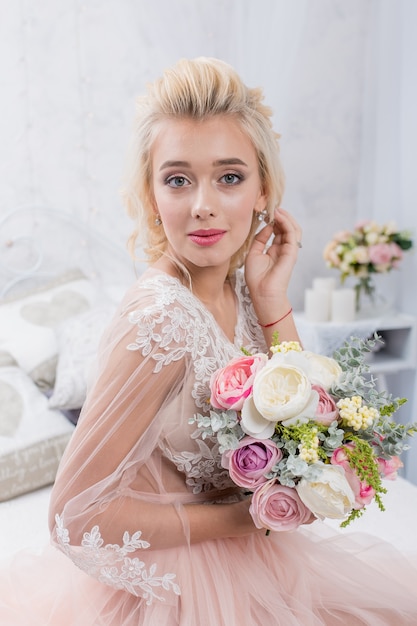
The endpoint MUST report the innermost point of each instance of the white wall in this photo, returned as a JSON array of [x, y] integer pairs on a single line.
[[71, 71]]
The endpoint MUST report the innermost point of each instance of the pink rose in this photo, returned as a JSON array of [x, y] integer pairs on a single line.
[[363, 492], [388, 468], [250, 461], [397, 254], [277, 507], [326, 411], [385, 254], [231, 385]]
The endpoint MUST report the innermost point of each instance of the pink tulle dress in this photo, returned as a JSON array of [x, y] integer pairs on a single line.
[[121, 552]]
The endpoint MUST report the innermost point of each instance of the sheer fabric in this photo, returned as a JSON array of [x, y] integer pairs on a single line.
[[135, 466]]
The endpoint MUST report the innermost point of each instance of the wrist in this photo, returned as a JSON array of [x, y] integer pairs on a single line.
[[277, 321]]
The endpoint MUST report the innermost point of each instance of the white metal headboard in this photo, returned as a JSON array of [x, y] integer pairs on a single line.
[[38, 242]]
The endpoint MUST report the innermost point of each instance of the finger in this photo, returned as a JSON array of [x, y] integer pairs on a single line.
[[262, 236], [286, 219], [288, 226]]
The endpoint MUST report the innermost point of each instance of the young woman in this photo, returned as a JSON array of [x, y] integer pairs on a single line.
[[141, 502]]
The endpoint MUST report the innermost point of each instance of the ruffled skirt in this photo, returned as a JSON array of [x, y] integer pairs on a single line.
[[306, 578]]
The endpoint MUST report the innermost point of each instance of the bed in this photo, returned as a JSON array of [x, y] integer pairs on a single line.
[[59, 284]]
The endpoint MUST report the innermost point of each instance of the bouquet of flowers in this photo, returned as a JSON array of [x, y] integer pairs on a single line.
[[367, 250], [308, 435]]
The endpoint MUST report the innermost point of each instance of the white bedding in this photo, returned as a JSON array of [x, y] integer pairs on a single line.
[[23, 520]]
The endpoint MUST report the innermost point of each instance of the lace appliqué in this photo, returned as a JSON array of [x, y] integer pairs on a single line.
[[182, 333], [202, 469], [112, 565], [177, 324]]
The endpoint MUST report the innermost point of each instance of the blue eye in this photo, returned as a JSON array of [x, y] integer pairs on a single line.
[[231, 179], [177, 181]]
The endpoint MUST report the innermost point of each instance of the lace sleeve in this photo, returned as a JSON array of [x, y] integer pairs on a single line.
[[113, 482]]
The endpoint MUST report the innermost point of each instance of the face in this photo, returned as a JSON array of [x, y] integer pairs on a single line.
[[206, 187]]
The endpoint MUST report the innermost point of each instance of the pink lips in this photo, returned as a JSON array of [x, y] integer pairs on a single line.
[[206, 237]]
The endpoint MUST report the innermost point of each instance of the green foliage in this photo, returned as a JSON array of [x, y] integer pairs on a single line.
[[356, 379]]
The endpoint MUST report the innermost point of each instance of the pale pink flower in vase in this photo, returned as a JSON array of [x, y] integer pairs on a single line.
[[330, 254], [365, 257], [384, 254]]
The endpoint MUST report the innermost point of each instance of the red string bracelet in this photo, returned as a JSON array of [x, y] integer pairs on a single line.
[[277, 321]]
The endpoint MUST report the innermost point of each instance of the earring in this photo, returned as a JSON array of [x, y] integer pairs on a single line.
[[158, 221], [262, 215]]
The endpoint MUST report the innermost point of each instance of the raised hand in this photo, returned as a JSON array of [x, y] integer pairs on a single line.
[[271, 259]]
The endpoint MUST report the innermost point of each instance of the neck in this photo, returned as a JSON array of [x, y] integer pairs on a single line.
[[211, 287], [206, 283]]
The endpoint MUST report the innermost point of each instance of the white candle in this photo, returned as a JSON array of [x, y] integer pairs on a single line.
[[343, 305], [317, 305], [323, 282]]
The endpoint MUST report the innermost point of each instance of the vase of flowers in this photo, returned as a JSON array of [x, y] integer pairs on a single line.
[[363, 255]]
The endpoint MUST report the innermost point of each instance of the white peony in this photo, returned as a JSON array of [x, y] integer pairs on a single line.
[[324, 370], [330, 495], [281, 391]]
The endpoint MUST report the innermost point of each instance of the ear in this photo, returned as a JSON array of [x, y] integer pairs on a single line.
[[154, 205], [260, 203]]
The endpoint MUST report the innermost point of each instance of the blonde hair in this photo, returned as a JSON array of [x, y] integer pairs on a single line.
[[198, 89]]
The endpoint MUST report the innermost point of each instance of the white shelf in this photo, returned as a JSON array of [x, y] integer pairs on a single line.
[[398, 353]]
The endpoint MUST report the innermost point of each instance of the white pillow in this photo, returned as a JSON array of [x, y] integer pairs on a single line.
[[78, 341], [27, 323], [32, 436]]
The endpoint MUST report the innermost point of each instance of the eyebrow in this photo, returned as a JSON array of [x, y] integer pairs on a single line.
[[217, 163]]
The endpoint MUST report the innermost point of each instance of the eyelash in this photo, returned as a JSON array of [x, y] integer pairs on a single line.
[[238, 176], [169, 179], [172, 178]]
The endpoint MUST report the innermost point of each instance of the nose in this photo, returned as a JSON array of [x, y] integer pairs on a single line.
[[204, 205]]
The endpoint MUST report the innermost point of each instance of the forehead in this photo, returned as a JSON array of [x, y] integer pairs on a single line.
[[214, 138]]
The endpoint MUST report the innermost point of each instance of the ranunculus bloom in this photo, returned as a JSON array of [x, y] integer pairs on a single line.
[[280, 391], [330, 495], [324, 370], [277, 507], [326, 411], [231, 385], [363, 492], [388, 468], [250, 461]]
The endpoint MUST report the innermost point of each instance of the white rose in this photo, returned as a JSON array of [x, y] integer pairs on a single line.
[[324, 370], [361, 254], [390, 228], [372, 238], [280, 391], [330, 495]]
